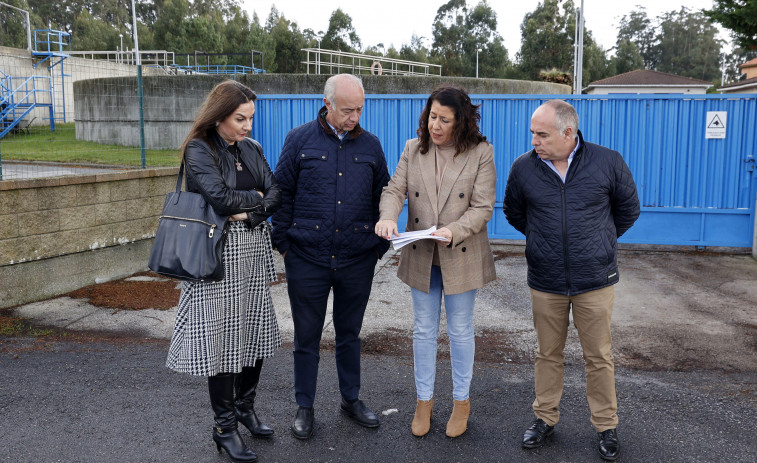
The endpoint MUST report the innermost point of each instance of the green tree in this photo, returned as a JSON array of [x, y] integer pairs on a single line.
[[459, 32], [627, 58], [493, 58], [90, 33], [13, 24], [733, 61], [341, 35], [637, 28], [289, 42], [60, 14], [740, 16], [449, 31], [415, 50], [260, 40], [169, 23], [595, 63], [548, 37], [687, 45]]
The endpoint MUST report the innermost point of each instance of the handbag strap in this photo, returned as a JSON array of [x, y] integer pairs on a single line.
[[181, 168], [181, 177]]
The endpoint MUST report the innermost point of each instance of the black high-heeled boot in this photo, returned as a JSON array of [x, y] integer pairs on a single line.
[[246, 386], [225, 433]]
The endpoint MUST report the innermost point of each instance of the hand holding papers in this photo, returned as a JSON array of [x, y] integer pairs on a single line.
[[408, 237]]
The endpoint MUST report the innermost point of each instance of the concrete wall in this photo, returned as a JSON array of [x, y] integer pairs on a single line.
[[107, 110], [17, 62], [59, 234]]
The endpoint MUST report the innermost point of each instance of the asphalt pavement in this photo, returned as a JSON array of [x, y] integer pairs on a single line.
[[685, 339]]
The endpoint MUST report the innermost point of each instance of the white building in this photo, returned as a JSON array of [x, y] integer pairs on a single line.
[[749, 84], [646, 81]]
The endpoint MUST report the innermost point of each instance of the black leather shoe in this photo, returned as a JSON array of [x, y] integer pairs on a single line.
[[303, 423], [360, 414], [609, 446], [536, 433]]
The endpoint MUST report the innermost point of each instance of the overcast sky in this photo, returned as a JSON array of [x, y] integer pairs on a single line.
[[395, 21]]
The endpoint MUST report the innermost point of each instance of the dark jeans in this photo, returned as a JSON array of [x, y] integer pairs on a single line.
[[309, 286]]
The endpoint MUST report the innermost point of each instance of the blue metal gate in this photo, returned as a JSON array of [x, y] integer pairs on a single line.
[[694, 191]]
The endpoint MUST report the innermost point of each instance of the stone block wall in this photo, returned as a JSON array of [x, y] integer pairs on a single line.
[[44, 219]]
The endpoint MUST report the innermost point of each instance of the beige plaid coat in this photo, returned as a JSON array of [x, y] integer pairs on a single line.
[[464, 205]]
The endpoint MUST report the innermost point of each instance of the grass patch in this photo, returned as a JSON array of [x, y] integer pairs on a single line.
[[41, 144], [15, 327]]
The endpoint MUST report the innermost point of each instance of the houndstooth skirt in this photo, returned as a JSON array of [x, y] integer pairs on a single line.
[[224, 326]]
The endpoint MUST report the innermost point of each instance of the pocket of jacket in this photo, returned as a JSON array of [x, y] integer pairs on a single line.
[[309, 157], [306, 224], [362, 227], [360, 158]]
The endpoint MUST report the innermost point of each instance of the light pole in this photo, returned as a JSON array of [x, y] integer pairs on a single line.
[[318, 37], [121, 36], [578, 57], [477, 51]]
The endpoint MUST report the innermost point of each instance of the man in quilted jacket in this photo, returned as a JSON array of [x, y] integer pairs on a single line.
[[572, 199], [331, 173]]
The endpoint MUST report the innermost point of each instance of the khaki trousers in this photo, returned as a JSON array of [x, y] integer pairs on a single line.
[[591, 315]]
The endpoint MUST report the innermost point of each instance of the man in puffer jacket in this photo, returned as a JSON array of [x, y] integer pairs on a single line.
[[572, 200], [331, 174]]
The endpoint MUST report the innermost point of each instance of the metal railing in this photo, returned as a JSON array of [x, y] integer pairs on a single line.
[[50, 41], [20, 95], [322, 61], [147, 57], [218, 69]]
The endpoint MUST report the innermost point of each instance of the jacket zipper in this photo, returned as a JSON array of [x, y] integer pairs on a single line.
[[211, 225], [565, 237]]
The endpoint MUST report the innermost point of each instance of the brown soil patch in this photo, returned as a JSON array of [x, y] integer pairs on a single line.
[[281, 277], [131, 295], [389, 342], [499, 255]]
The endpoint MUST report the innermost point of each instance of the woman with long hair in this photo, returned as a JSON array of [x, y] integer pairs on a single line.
[[225, 329]]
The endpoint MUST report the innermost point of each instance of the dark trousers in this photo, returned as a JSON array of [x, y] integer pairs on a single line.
[[309, 286]]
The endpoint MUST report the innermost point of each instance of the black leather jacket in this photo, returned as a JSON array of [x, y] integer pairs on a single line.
[[212, 173]]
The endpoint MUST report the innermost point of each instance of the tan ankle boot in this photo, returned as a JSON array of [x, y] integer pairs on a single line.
[[422, 419], [458, 421]]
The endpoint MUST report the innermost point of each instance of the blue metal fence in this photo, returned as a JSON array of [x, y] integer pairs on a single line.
[[693, 190]]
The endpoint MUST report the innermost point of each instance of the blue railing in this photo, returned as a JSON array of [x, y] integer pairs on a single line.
[[20, 95], [50, 41]]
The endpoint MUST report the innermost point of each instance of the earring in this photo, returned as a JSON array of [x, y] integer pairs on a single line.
[[217, 123]]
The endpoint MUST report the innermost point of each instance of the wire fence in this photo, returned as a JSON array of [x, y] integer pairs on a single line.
[[55, 122]]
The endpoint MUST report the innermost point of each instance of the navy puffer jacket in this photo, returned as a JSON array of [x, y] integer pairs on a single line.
[[572, 228], [330, 193]]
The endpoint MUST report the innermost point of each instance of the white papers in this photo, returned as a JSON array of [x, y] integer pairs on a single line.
[[409, 237]]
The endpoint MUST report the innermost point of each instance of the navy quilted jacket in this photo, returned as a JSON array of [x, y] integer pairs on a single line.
[[572, 228], [330, 192]]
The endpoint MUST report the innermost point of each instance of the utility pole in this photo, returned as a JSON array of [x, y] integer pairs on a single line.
[[578, 61], [28, 25], [477, 52]]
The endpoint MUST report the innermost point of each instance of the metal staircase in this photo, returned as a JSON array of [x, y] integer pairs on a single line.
[[49, 45], [19, 96]]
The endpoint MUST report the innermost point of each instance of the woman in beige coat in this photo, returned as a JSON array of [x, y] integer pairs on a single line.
[[447, 175]]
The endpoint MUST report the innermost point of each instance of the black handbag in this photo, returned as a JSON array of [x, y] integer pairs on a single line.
[[190, 238]]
